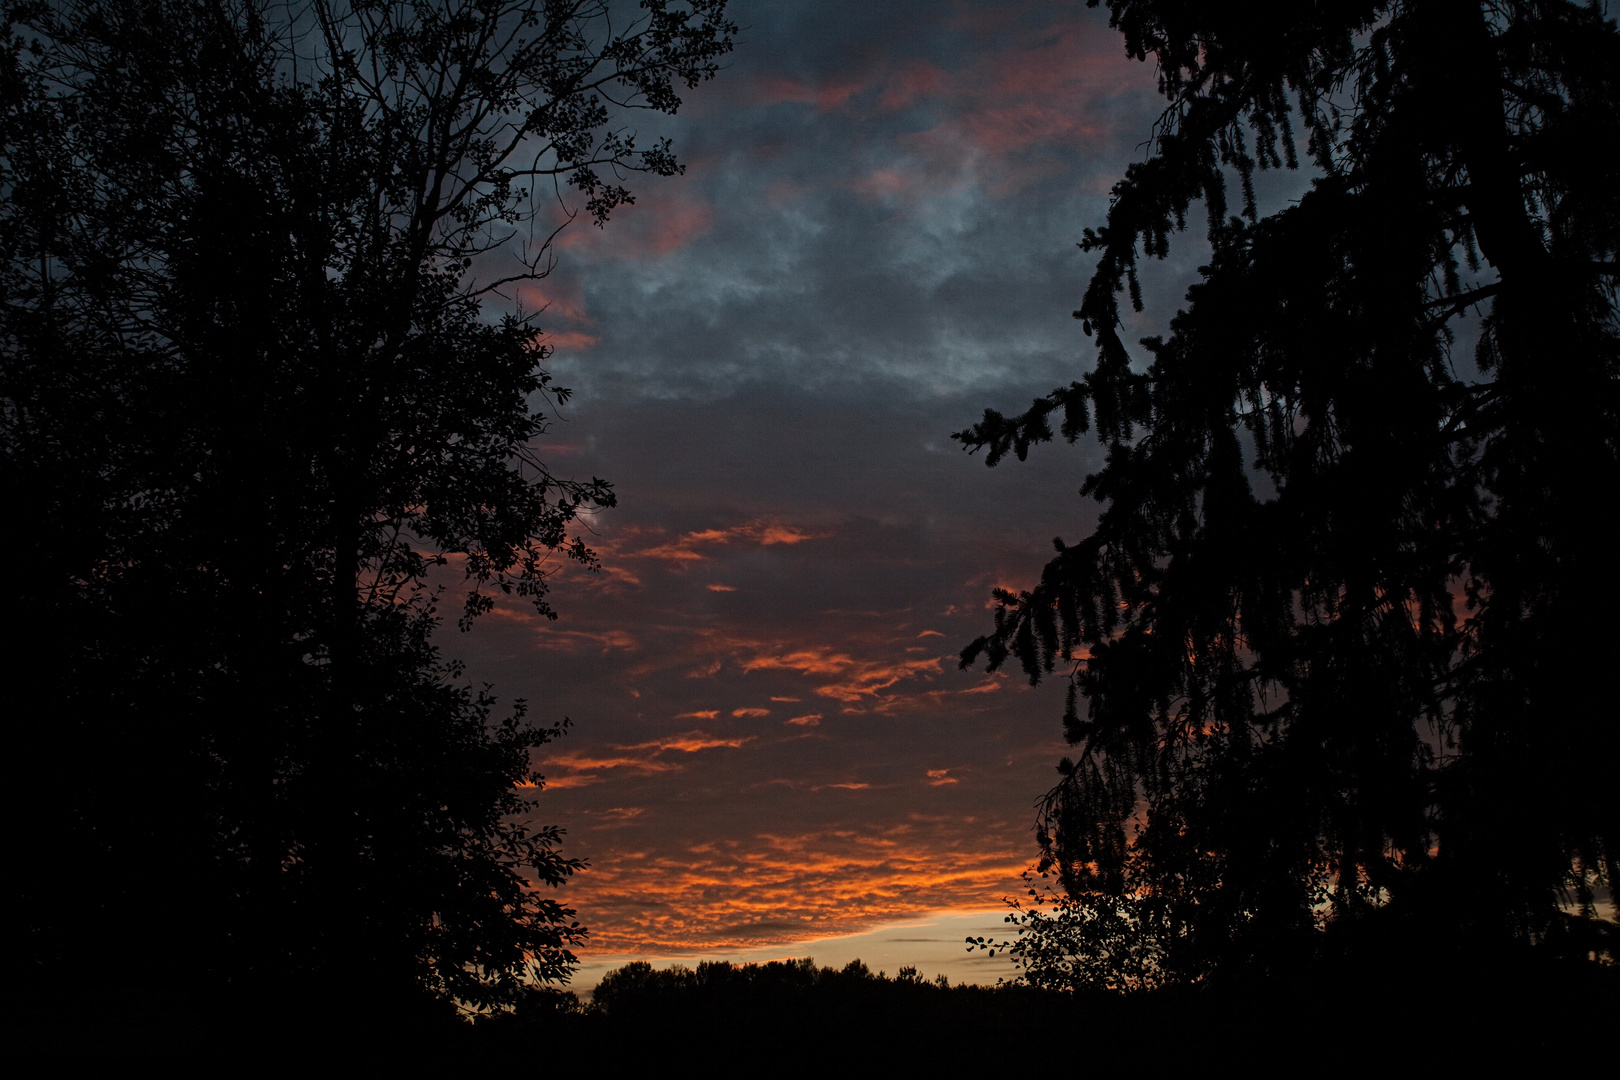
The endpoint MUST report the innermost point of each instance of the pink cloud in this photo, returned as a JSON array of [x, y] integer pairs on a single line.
[[572, 340], [1011, 103], [916, 79], [773, 89], [1024, 96], [883, 183], [678, 227], [782, 192], [836, 95], [664, 219], [555, 298], [826, 97]]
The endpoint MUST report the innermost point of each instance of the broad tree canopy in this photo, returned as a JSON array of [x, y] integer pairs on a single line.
[[249, 396]]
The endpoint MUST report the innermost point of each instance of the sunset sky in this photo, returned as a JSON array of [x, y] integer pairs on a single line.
[[874, 241]]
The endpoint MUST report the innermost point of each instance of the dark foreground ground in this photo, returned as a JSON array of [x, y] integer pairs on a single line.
[[796, 1019]]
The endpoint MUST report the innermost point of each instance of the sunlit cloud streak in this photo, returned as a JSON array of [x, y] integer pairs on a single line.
[[691, 546], [783, 887]]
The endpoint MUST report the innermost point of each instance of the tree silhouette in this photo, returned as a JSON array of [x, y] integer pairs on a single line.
[[1341, 631], [251, 402]]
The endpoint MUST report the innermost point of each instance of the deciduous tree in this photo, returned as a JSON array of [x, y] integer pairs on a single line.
[[252, 398]]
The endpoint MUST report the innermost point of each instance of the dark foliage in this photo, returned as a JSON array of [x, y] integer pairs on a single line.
[[793, 1018], [1342, 634], [248, 403]]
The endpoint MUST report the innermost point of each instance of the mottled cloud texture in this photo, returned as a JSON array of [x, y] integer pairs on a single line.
[[875, 240]]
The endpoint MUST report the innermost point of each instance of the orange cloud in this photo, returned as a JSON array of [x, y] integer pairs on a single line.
[[581, 767], [768, 888], [550, 637], [869, 681], [936, 777], [854, 679], [804, 661], [750, 712], [702, 714], [689, 743], [578, 762], [563, 783], [685, 548], [722, 588], [783, 534], [808, 720], [614, 575]]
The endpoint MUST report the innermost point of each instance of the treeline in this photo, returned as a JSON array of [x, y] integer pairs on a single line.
[[796, 1018], [793, 1018]]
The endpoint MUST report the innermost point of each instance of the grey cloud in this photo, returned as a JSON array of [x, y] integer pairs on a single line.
[[804, 275]]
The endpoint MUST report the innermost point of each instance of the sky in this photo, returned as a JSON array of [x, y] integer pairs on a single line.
[[773, 752]]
